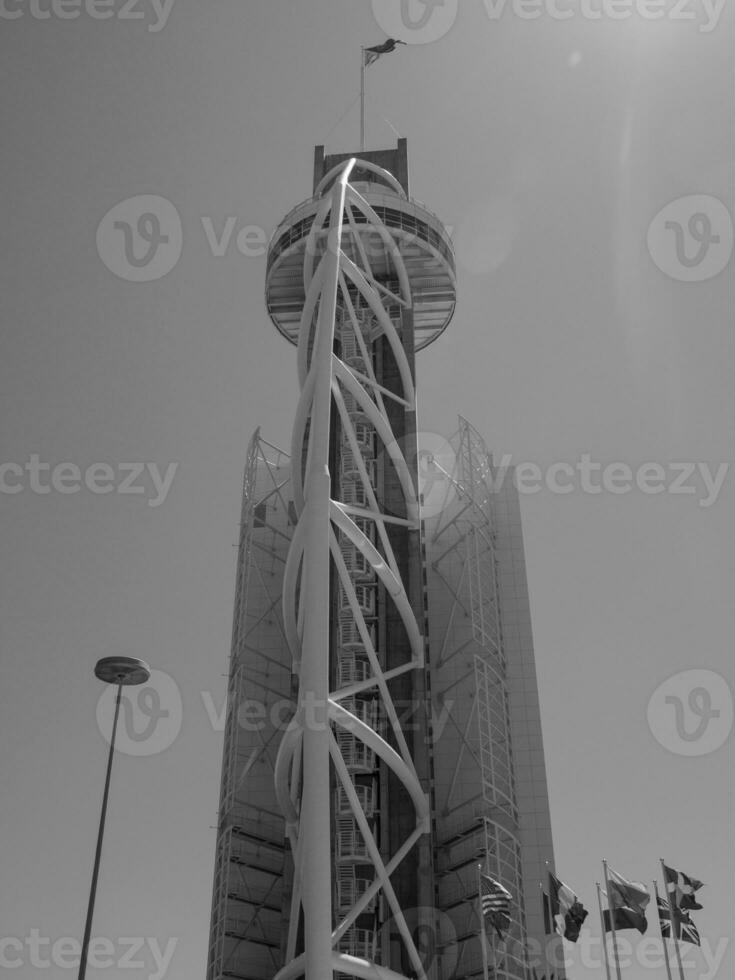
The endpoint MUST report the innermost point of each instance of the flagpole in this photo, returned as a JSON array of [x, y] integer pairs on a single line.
[[549, 913], [546, 913], [612, 921], [663, 940], [362, 99], [494, 939], [604, 933], [674, 910], [483, 932]]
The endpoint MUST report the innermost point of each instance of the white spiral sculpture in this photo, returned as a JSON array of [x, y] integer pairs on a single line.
[[310, 754]]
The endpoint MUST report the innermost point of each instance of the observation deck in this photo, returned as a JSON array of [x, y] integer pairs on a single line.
[[423, 241]]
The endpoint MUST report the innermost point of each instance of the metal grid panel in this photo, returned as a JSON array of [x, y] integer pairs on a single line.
[[247, 920], [477, 816], [493, 716], [482, 580]]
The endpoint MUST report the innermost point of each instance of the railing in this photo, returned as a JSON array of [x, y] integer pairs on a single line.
[[365, 595], [357, 564], [351, 352], [406, 216], [354, 494], [364, 709], [350, 888], [360, 943], [364, 434], [357, 756], [350, 465], [351, 845], [352, 669], [349, 633], [365, 795]]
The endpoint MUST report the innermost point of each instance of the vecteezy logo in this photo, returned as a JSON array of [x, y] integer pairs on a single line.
[[691, 239], [415, 21], [691, 713], [432, 459], [140, 238], [150, 715], [433, 934]]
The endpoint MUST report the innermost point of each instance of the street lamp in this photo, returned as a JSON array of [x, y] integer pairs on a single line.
[[125, 672]]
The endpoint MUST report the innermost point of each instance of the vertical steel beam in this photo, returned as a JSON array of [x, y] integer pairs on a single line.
[[315, 833]]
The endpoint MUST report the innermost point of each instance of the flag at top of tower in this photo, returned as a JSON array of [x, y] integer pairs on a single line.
[[681, 888], [564, 903], [495, 902], [372, 54]]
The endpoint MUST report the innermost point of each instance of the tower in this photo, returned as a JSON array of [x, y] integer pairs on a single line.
[[382, 664]]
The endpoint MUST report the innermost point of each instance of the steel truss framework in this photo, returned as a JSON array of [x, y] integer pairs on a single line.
[[333, 738], [251, 860], [305, 766], [476, 809]]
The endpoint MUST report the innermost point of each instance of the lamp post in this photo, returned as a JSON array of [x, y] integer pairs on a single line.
[[124, 672]]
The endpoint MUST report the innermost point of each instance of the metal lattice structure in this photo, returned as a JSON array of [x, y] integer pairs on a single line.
[[350, 830], [347, 309], [477, 816], [251, 861]]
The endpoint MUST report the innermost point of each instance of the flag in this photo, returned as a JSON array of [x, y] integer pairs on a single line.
[[495, 901], [627, 894], [563, 902], [683, 925], [628, 901], [625, 919], [372, 54], [681, 888]]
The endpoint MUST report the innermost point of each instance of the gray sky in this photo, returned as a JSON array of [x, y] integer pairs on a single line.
[[548, 146]]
